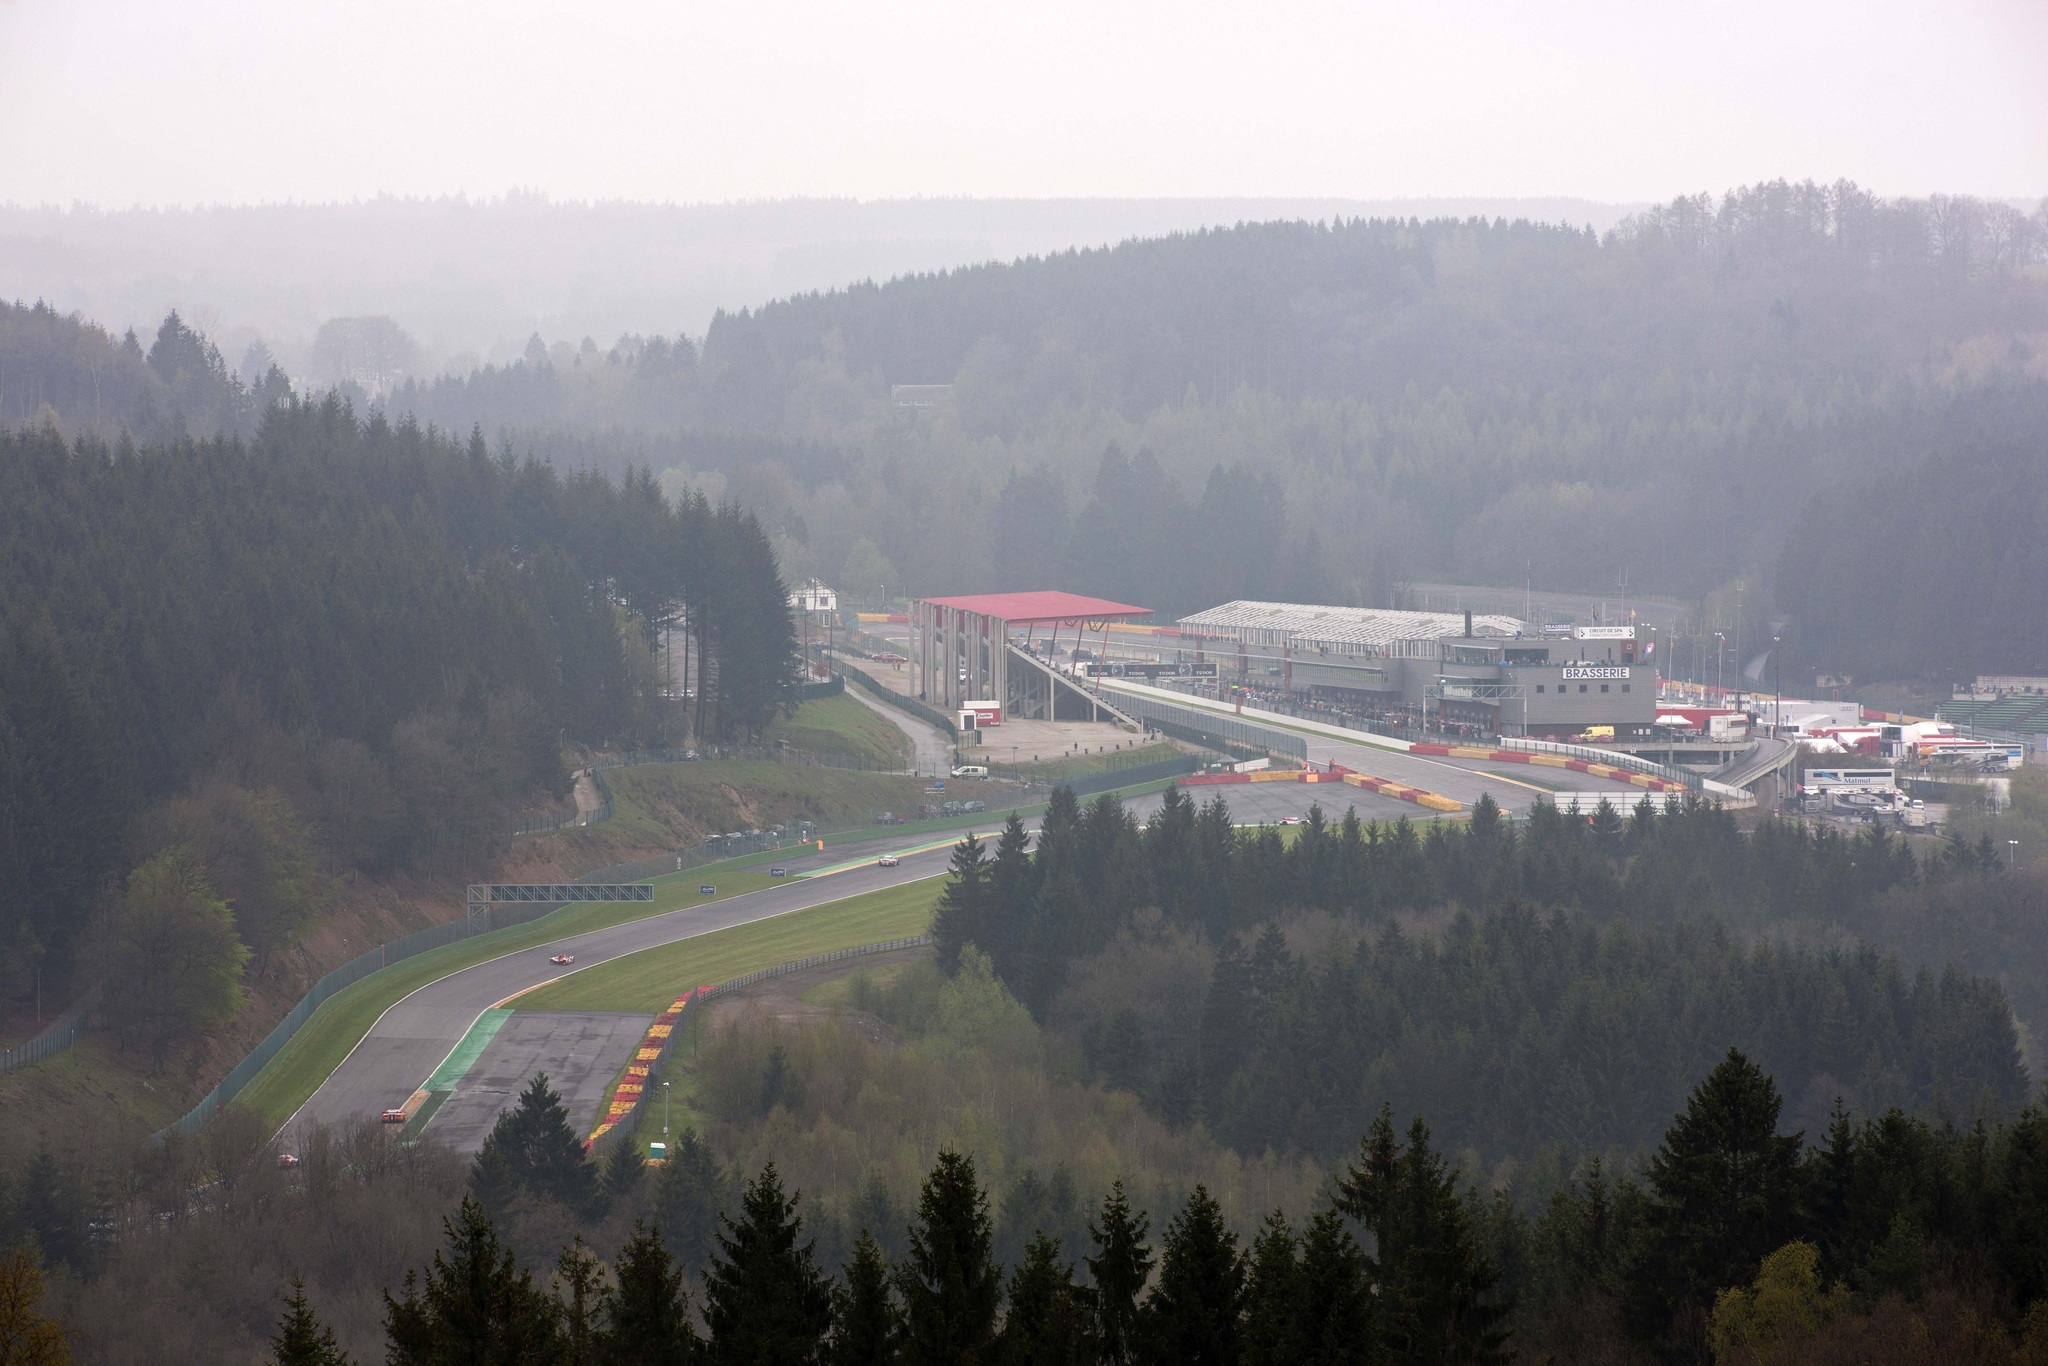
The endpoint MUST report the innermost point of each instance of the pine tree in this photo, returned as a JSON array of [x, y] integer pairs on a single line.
[[1726, 1191], [1047, 1324], [1333, 1317], [1436, 1291], [863, 1319], [1271, 1292], [581, 1293], [622, 1171], [531, 1150], [648, 1318], [1192, 1314], [1119, 1269], [474, 1303], [691, 1191], [1011, 888], [950, 1285], [764, 1300], [962, 913]]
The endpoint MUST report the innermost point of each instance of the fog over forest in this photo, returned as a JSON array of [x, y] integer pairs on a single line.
[[1225, 685]]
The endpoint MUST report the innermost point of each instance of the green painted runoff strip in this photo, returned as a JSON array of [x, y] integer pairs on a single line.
[[468, 1051]]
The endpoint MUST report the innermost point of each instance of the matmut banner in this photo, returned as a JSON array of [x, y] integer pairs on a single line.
[[1135, 669]]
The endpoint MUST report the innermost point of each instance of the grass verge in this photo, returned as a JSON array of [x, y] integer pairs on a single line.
[[343, 1019], [843, 725], [652, 979]]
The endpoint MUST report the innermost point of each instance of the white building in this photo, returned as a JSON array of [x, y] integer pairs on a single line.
[[813, 596]]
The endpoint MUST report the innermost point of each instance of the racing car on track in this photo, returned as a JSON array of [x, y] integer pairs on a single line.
[[563, 960], [887, 861]]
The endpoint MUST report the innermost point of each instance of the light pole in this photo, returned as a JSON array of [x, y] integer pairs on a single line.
[[664, 1116], [1777, 689], [2012, 855], [1721, 667]]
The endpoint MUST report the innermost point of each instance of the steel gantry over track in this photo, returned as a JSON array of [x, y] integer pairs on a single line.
[[484, 895], [962, 650]]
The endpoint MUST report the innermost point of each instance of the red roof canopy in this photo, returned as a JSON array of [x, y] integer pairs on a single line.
[[1043, 606]]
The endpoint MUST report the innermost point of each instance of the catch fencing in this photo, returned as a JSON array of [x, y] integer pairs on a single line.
[[58, 1037], [922, 712], [615, 1131]]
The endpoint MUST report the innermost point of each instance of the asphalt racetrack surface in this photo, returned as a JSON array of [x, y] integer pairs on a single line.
[[580, 1051], [411, 1039]]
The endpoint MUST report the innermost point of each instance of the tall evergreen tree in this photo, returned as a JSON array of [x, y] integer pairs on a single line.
[[531, 1150], [765, 1302], [691, 1191], [1271, 1295], [1011, 887], [1118, 1271], [863, 1318], [949, 1283], [475, 1304], [1726, 1191], [648, 1323], [301, 1339], [1333, 1318], [1192, 1315], [1436, 1291], [961, 917], [1046, 1324], [581, 1293]]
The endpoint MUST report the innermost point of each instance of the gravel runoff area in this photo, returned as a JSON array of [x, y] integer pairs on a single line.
[[580, 1051]]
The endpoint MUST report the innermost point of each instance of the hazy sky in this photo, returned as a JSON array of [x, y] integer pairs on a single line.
[[141, 101]]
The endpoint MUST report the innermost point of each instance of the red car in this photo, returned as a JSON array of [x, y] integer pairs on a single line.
[[393, 1117], [287, 1161], [563, 960], [887, 861]]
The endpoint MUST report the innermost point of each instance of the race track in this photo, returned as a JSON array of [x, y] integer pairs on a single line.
[[410, 1040]]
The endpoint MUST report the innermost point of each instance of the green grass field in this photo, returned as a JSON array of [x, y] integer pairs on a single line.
[[842, 725], [342, 1020], [664, 806], [651, 980]]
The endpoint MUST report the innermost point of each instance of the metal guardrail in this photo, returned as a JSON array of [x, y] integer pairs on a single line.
[[628, 1125], [1212, 725], [1613, 758]]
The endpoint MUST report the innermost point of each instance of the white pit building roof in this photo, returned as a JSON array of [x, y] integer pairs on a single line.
[[1365, 631]]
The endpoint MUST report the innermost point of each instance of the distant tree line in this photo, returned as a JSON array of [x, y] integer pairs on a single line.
[[1486, 402], [339, 644], [1933, 572], [1578, 969]]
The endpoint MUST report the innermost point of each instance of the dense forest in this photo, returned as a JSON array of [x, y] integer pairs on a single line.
[[1574, 975], [1296, 409], [1452, 398], [335, 645], [1888, 1238], [1945, 574]]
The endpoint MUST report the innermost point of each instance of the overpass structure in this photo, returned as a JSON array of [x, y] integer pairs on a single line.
[[962, 651]]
